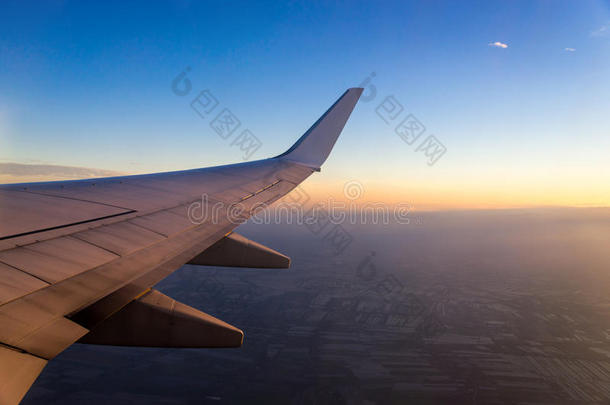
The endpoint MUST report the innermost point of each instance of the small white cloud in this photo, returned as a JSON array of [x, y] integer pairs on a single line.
[[569, 49], [498, 44], [602, 31]]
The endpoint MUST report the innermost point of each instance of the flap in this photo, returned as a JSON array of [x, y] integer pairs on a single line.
[[18, 371], [235, 250], [156, 320]]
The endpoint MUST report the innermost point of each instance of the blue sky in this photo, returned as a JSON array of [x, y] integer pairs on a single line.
[[87, 84]]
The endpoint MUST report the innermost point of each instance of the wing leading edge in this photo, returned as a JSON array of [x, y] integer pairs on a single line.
[[127, 254]]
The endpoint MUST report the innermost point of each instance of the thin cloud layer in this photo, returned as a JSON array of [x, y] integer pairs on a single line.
[[498, 44], [602, 31], [569, 49], [19, 172]]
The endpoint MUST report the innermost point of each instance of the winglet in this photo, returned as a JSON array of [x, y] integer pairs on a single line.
[[315, 145]]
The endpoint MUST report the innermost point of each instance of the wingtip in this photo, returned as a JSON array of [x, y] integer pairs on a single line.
[[315, 145], [356, 90]]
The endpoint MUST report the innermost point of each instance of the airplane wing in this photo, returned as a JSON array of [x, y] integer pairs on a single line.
[[78, 259]]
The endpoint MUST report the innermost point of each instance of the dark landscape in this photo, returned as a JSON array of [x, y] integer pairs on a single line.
[[485, 307]]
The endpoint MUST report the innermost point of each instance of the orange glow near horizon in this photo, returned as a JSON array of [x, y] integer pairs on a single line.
[[422, 197], [444, 192]]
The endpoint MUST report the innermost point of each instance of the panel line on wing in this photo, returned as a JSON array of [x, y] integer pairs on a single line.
[[148, 229], [70, 198], [67, 225], [76, 236], [260, 191], [24, 272]]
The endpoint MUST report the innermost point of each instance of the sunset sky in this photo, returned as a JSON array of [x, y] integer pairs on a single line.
[[516, 91]]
